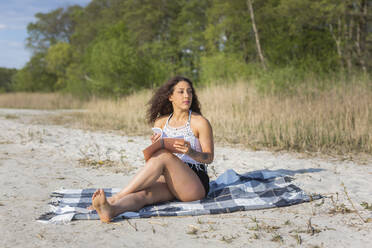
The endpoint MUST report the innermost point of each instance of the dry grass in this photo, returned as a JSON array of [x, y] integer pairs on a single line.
[[336, 121], [127, 114], [39, 101]]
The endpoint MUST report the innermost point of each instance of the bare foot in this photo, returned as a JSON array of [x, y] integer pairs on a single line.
[[94, 195], [110, 200], [101, 205]]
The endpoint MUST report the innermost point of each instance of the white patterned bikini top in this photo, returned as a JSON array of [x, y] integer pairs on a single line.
[[186, 133]]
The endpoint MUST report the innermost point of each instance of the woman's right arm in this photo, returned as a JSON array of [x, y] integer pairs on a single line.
[[206, 141], [204, 129]]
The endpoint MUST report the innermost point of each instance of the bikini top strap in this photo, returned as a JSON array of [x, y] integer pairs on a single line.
[[188, 121], [166, 124]]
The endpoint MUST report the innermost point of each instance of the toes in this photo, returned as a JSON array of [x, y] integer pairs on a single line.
[[103, 193], [99, 194], [94, 194]]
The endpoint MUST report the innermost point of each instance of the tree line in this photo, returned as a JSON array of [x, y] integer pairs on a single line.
[[115, 47], [6, 76]]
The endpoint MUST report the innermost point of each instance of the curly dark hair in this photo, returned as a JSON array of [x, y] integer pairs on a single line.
[[160, 105]]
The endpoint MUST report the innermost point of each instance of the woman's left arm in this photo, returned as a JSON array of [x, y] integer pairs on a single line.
[[206, 142]]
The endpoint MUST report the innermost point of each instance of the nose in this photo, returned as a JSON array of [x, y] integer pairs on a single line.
[[187, 94]]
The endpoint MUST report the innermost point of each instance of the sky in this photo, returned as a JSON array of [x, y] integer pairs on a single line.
[[14, 17]]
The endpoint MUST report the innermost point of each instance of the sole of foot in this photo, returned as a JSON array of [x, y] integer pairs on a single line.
[[100, 204]]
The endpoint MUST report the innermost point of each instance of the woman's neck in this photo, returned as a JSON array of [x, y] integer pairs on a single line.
[[180, 115]]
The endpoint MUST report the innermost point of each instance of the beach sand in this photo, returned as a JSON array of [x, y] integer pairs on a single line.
[[36, 159]]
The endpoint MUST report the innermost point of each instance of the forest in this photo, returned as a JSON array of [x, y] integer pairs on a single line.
[[116, 47]]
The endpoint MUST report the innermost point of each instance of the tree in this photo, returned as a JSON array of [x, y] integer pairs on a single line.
[[58, 59], [189, 27], [6, 79], [348, 24], [96, 16], [229, 41], [114, 47], [50, 28], [229, 29], [115, 66], [152, 23], [34, 76], [258, 44], [294, 33]]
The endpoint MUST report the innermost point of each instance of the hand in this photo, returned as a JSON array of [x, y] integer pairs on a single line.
[[154, 137], [182, 147]]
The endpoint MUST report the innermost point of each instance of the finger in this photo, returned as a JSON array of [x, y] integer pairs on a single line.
[[178, 147], [155, 137], [180, 143]]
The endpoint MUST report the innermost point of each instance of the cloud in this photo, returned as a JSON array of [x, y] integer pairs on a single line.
[[16, 44], [11, 43], [15, 15], [14, 57]]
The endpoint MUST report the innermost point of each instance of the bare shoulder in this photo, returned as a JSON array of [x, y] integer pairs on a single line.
[[160, 121], [202, 129], [199, 121]]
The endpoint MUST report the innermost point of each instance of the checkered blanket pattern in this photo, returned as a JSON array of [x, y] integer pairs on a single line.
[[230, 192]]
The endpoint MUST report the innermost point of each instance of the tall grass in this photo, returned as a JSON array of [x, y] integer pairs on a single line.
[[127, 114], [39, 101], [337, 119]]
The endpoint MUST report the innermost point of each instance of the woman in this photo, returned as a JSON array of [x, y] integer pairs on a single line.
[[175, 109]]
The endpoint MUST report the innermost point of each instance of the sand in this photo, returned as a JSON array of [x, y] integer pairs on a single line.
[[36, 159]]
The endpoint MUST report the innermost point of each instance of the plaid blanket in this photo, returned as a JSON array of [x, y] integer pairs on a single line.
[[230, 192]]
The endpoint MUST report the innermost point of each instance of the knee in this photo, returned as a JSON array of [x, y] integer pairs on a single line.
[[161, 155]]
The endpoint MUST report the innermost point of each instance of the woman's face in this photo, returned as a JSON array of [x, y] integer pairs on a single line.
[[182, 96]]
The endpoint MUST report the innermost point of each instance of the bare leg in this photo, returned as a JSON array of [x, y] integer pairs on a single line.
[[144, 178], [176, 174], [148, 175], [159, 192], [180, 182]]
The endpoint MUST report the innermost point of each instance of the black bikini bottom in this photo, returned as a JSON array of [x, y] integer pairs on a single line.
[[202, 174]]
